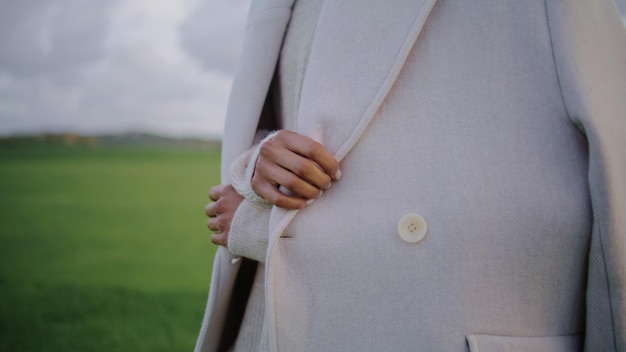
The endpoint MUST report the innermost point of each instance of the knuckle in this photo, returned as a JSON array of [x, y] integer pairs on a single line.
[[219, 207], [263, 151], [308, 193], [326, 181], [266, 149], [281, 135], [290, 183], [302, 167], [257, 183], [228, 189], [259, 166], [314, 153], [312, 193], [320, 153], [310, 145], [230, 193], [277, 199]]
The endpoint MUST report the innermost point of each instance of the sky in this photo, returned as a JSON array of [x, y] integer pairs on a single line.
[[111, 66]]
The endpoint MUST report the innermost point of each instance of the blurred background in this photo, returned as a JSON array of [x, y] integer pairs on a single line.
[[111, 114]]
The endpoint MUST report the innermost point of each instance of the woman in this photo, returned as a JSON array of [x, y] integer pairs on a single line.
[[448, 176]]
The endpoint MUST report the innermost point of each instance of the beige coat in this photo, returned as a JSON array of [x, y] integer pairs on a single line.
[[502, 283]]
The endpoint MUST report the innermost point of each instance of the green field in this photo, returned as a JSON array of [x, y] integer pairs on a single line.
[[103, 248]]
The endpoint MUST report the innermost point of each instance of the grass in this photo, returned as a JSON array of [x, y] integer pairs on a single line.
[[103, 248]]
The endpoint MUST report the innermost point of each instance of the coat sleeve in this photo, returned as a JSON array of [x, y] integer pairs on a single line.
[[589, 46], [249, 228]]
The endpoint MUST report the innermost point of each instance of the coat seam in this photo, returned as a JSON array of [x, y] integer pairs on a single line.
[[593, 203], [608, 283], [554, 63], [558, 80]]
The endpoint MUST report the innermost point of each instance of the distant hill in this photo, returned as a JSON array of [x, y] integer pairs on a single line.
[[140, 140]]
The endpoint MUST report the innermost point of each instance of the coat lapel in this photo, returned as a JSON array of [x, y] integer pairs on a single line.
[[356, 55]]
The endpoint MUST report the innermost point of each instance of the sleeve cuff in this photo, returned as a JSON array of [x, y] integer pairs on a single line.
[[248, 233], [242, 170]]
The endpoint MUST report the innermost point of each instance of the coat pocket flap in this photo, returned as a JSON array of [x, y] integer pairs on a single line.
[[493, 343]]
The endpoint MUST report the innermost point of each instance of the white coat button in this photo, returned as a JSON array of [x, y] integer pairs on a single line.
[[412, 228]]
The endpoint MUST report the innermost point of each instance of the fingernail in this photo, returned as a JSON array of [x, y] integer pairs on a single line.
[[319, 195], [338, 175], [310, 201], [329, 184]]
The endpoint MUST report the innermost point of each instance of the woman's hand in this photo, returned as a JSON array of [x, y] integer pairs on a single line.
[[221, 212], [297, 163]]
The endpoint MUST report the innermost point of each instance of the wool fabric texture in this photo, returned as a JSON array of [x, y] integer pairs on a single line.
[[501, 123]]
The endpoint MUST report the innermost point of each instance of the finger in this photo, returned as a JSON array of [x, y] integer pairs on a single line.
[[274, 196], [230, 195], [276, 175], [308, 171], [216, 192], [313, 150], [219, 239], [210, 210], [213, 225]]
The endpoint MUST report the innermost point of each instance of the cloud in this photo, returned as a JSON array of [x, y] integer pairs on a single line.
[[212, 33], [51, 37], [114, 66], [103, 66]]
